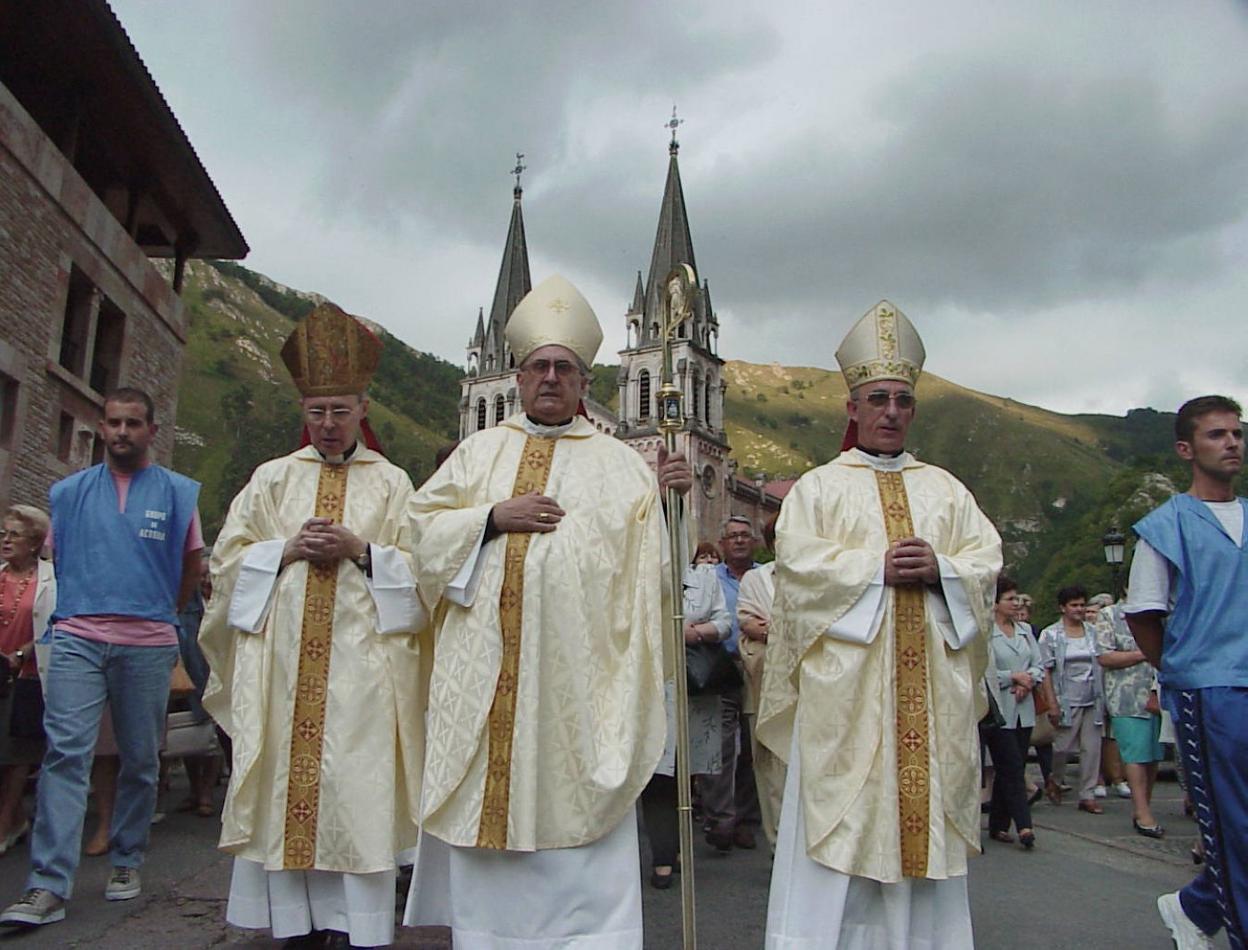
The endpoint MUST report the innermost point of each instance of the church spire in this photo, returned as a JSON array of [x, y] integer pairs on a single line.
[[672, 242], [513, 276], [639, 297]]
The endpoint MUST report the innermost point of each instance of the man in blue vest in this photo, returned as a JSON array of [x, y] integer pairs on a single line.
[[127, 545], [1191, 565]]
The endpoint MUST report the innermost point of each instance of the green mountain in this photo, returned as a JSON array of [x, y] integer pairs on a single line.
[[1052, 483]]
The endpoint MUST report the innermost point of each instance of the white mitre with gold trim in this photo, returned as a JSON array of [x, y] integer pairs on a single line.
[[882, 345], [554, 312]]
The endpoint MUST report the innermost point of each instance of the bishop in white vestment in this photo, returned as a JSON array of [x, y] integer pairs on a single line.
[[316, 668], [885, 570], [541, 541]]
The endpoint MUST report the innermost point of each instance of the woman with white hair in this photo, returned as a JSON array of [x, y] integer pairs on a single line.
[[27, 598]]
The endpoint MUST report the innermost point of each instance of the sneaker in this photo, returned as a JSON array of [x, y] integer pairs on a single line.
[[1186, 935], [37, 906], [1099, 792], [1122, 790], [123, 884]]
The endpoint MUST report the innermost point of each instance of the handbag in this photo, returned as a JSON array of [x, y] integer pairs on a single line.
[[1042, 701], [709, 668], [26, 713], [992, 718]]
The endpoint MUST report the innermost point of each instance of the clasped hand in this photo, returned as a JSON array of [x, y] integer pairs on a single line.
[[321, 541], [910, 561]]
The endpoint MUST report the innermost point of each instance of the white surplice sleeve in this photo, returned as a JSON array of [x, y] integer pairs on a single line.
[[861, 622], [462, 588], [253, 591], [959, 625], [393, 589]]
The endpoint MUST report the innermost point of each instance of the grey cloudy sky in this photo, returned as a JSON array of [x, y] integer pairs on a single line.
[[1056, 193]]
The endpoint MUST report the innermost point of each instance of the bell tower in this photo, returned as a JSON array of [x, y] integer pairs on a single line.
[[697, 368]]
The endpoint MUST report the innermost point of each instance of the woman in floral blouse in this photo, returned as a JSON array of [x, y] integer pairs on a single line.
[[1132, 705]]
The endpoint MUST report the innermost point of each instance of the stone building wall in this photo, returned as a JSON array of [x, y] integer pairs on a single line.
[[61, 247]]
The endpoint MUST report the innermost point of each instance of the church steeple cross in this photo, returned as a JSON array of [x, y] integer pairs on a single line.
[[518, 171], [674, 123]]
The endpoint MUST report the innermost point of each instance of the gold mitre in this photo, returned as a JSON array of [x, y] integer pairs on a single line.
[[554, 312], [882, 345], [331, 353]]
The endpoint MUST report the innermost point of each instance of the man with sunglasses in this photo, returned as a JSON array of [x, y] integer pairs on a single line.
[[885, 576]]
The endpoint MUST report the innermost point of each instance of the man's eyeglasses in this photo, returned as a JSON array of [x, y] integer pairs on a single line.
[[738, 536], [563, 368], [318, 416], [878, 399]]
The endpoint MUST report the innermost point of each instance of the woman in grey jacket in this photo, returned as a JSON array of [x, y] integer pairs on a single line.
[[1069, 651]]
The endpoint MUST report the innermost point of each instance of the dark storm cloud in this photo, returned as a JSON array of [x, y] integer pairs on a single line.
[[424, 104], [996, 184]]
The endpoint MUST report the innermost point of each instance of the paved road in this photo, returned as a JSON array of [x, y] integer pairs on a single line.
[[1091, 882]]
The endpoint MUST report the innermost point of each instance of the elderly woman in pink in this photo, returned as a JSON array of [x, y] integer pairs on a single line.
[[27, 597]]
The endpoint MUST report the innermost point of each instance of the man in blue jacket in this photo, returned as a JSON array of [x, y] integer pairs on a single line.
[[1191, 565], [127, 545]]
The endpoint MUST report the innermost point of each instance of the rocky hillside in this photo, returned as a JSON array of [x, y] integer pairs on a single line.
[[1053, 483]]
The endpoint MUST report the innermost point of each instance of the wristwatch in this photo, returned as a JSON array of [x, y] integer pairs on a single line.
[[365, 561]]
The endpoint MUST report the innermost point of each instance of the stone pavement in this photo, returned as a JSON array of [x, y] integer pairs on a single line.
[[1091, 882]]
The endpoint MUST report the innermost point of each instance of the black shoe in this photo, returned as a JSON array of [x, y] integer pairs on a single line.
[[719, 840], [1036, 795], [661, 882], [1148, 831], [1027, 839]]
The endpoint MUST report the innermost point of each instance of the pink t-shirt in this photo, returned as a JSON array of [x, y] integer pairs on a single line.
[[130, 631]]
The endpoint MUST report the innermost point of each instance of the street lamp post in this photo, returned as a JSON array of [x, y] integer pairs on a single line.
[[1115, 545]]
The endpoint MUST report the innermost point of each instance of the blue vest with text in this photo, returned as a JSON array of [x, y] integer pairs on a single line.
[[1206, 639], [125, 563]]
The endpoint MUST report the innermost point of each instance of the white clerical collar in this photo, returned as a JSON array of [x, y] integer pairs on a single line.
[[339, 459], [882, 463], [545, 432]]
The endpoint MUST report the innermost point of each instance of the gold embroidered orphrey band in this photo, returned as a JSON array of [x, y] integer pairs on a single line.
[[531, 477], [303, 787], [910, 651]]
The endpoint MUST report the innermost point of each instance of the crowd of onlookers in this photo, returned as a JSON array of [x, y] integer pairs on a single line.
[[1080, 687]]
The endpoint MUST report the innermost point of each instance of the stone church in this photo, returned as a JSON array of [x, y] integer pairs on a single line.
[[489, 392]]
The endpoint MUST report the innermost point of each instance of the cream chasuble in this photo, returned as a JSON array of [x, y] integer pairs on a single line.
[[881, 681], [546, 713], [319, 699]]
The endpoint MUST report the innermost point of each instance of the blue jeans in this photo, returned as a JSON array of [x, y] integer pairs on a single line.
[[82, 675]]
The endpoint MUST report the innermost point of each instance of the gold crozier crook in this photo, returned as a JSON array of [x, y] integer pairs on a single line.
[[677, 294]]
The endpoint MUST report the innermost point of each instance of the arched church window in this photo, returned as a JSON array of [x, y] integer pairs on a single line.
[[499, 409], [709, 421], [654, 330], [511, 361], [683, 329], [480, 413], [489, 363], [697, 400], [643, 395]]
